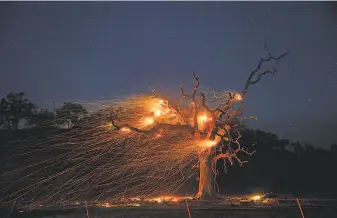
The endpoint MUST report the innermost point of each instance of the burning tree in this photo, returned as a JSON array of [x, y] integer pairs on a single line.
[[144, 145], [215, 131]]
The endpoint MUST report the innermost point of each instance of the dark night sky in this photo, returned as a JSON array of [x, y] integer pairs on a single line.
[[56, 51]]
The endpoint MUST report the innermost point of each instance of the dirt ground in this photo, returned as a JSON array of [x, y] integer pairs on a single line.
[[181, 212]]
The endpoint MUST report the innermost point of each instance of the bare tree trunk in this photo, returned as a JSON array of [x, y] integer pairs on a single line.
[[16, 125], [206, 181], [9, 124]]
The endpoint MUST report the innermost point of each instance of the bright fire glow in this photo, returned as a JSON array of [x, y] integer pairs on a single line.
[[202, 121], [125, 129], [158, 113], [207, 143], [203, 118], [166, 199], [238, 97], [148, 121], [256, 197], [210, 143]]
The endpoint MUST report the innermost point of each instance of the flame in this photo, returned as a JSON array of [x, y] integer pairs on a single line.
[[208, 143], [238, 97], [202, 121], [203, 118], [148, 121], [161, 199], [158, 113], [125, 129], [256, 197]]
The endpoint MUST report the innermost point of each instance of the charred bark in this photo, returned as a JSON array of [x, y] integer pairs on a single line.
[[206, 182]]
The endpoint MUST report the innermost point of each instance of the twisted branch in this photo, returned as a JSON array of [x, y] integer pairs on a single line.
[[192, 98], [158, 126], [262, 60]]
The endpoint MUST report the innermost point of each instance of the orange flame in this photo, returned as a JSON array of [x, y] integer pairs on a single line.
[[125, 129]]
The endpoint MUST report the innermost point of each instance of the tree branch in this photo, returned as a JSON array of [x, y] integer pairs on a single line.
[[192, 98], [156, 127], [262, 60]]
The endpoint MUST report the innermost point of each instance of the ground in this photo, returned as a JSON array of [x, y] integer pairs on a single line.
[[321, 209]]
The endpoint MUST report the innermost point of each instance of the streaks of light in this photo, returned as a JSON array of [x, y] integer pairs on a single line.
[[97, 162]]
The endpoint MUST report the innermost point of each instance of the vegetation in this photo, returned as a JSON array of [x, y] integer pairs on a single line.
[[15, 108]]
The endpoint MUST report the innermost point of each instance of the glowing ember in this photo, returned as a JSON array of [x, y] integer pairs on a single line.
[[158, 113], [238, 97], [256, 197], [148, 121], [162, 199], [203, 118], [206, 143], [210, 143], [125, 129]]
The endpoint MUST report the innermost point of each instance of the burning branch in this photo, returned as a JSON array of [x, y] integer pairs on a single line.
[[156, 127]]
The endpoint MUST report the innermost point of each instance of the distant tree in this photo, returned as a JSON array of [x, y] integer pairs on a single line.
[[14, 108], [309, 148], [298, 148], [42, 118], [70, 113], [3, 111]]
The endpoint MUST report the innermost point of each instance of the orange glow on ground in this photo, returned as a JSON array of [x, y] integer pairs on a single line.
[[162, 199]]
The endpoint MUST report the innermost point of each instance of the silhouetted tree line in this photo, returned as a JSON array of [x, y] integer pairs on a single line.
[[278, 165], [282, 166], [16, 108]]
